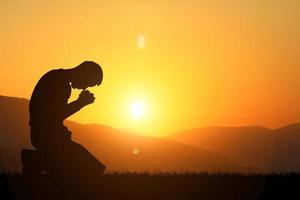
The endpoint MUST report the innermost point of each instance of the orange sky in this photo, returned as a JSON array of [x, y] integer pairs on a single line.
[[191, 63]]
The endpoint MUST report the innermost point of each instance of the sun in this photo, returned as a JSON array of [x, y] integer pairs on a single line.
[[137, 109]]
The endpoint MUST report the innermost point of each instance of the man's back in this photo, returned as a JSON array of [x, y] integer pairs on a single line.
[[48, 100]]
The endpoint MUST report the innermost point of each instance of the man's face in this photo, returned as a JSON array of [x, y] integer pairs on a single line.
[[82, 79], [81, 84]]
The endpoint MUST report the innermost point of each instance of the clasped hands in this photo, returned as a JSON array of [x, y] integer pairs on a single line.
[[86, 97]]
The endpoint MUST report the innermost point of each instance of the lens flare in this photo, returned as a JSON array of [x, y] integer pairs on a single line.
[[141, 42], [135, 151]]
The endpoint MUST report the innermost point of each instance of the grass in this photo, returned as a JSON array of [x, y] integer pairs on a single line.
[[156, 186]]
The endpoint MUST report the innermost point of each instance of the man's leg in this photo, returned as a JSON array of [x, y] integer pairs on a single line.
[[82, 162], [75, 163]]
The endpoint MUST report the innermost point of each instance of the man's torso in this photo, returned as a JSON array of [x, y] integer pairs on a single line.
[[48, 100]]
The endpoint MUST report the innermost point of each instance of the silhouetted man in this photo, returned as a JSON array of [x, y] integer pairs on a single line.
[[49, 107]]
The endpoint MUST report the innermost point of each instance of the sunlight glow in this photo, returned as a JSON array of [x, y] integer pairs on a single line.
[[137, 109]]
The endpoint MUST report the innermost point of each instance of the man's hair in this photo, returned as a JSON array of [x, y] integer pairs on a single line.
[[91, 70]]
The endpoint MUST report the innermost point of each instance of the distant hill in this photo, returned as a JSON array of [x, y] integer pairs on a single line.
[[255, 146], [118, 150], [287, 147]]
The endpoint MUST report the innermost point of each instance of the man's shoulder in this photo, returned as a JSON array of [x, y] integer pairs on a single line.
[[53, 74], [52, 80], [54, 71], [52, 84]]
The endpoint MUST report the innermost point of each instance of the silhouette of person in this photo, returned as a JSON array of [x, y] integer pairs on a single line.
[[48, 109]]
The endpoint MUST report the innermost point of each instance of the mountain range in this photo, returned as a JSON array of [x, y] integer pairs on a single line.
[[253, 146], [201, 149], [119, 150]]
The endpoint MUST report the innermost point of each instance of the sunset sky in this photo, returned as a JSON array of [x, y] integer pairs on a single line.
[[168, 65]]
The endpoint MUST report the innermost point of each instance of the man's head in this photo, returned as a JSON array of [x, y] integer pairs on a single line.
[[87, 74]]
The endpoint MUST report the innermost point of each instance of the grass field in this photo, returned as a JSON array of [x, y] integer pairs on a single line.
[[145, 186]]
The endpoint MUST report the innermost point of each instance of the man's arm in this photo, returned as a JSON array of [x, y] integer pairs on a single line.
[[85, 98]]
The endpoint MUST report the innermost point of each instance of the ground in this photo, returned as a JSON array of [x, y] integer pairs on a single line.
[[145, 186]]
